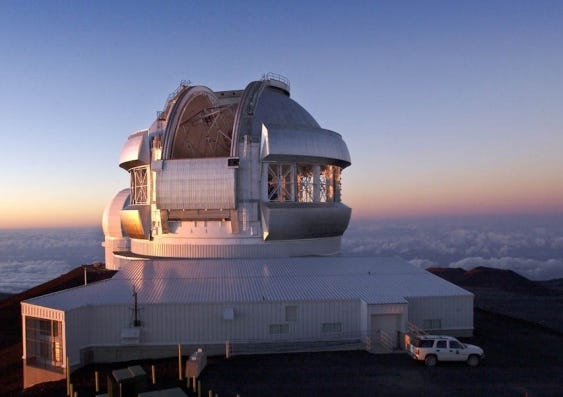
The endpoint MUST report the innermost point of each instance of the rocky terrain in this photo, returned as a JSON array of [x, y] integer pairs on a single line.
[[506, 292]]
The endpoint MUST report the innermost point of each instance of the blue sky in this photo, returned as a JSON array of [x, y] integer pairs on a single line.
[[446, 108]]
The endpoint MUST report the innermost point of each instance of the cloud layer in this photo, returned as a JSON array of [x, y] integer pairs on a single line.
[[531, 246], [32, 256]]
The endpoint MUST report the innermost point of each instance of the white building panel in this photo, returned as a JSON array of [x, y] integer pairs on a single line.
[[207, 183], [111, 220], [172, 246], [439, 314], [135, 152], [283, 142], [46, 313]]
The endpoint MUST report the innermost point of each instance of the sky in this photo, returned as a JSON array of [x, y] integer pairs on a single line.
[[447, 108]]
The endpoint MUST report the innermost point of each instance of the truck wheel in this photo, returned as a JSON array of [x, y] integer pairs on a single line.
[[473, 360], [430, 360]]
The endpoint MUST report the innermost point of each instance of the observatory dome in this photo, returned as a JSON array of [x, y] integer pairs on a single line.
[[229, 174]]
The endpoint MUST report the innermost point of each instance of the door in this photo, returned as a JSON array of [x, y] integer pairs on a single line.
[[442, 350], [455, 352], [384, 329]]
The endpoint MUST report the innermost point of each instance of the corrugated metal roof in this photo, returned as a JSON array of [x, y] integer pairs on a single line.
[[374, 280]]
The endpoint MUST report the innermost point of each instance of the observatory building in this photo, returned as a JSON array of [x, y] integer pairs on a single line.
[[230, 174], [228, 238]]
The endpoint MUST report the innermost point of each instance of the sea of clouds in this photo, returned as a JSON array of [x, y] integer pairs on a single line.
[[529, 245], [32, 256]]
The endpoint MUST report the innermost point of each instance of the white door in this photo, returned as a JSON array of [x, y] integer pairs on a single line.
[[384, 328], [441, 348], [455, 352]]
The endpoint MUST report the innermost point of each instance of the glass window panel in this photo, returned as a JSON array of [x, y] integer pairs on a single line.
[[139, 186], [280, 182], [336, 183], [305, 186], [286, 178], [326, 184], [43, 343]]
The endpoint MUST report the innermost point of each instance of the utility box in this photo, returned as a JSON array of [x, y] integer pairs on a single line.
[[196, 364], [120, 384], [139, 378], [127, 382]]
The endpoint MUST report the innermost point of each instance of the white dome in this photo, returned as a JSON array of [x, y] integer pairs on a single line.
[[243, 173]]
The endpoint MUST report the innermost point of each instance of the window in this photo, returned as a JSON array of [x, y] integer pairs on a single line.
[[139, 185], [326, 186], [441, 344], [454, 344], [276, 329], [280, 182], [43, 342], [331, 327], [291, 313], [426, 343], [303, 183], [329, 184], [432, 324]]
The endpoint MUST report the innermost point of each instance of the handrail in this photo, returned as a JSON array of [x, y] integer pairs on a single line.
[[283, 344], [276, 77], [414, 329], [161, 115], [385, 340]]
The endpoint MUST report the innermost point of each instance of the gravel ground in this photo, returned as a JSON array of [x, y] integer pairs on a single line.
[[546, 310]]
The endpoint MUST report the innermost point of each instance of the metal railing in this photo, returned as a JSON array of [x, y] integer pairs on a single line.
[[355, 341], [161, 114], [276, 77], [413, 329], [381, 342]]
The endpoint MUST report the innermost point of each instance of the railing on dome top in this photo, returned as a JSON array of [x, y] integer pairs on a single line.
[[161, 114], [277, 77]]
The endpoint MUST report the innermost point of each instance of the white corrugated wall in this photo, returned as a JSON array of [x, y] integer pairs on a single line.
[[205, 323], [99, 325], [454, 312], [230, 248]]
